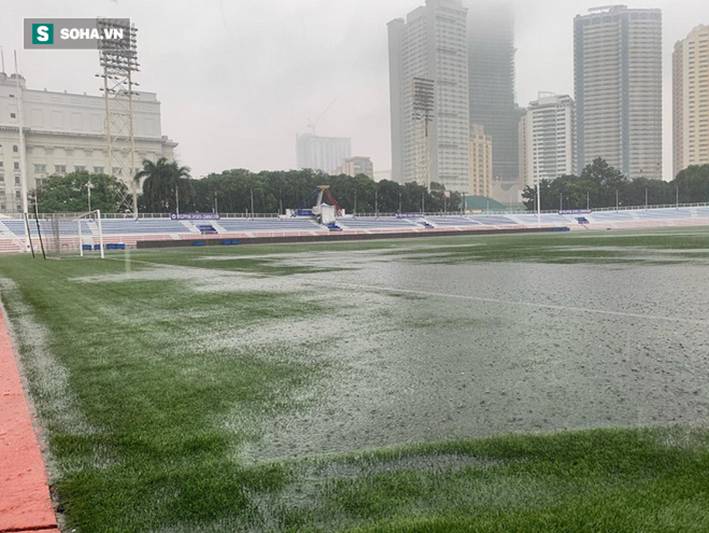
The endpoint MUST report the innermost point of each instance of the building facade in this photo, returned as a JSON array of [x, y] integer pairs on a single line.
[[64, 132], [356, 166], [547, 136], [481, 160], [691, 100], [428, 67], [326, 154], [618, 83], [491, 70]]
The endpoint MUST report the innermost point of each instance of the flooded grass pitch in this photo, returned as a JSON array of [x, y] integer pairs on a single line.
[[303, 386]]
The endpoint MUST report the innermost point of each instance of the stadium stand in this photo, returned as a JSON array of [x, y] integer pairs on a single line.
[[127, 231], [491, 220], [451, 221], [247, 225], [376, 223], [143, 226]]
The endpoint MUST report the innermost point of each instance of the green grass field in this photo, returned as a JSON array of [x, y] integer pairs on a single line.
[[499, 383]]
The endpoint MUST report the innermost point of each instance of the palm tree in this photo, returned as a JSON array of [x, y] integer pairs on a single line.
[[163, 179]]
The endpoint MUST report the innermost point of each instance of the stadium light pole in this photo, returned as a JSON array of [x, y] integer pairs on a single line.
[[89, 186], [588, 200], [539, 201]]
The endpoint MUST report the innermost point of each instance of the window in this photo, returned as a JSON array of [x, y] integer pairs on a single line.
[[17, 180], [60, 169], [16, 165], [40, 169], [98, 170], [2, 164], [80, 168], [15, 149], [12, 115], [17, 195]]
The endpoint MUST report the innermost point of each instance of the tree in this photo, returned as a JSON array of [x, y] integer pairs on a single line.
[[165, 182], [70, 194], [692, 184], [599, 185]]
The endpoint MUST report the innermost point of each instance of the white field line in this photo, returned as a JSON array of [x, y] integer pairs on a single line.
[[574, 309], [499, 301]]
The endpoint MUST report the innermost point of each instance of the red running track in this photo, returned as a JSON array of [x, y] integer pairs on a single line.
[[25, 504]]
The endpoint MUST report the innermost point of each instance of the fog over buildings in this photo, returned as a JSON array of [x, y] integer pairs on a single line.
[[239, 80]]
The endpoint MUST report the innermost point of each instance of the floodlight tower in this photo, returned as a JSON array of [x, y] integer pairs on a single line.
[[119, 60]]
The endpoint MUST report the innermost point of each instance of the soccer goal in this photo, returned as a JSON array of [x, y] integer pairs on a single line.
[[63, 234], [90, 233]]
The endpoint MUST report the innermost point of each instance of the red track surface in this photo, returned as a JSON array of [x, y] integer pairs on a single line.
[[25, 504]]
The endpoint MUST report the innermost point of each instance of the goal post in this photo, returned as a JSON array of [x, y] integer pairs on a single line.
[[90, 237]]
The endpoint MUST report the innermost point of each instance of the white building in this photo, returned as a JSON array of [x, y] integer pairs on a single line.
[[428, 52], [618, 81], [64, 132], [547, 139], [691, 100], [326, 154]]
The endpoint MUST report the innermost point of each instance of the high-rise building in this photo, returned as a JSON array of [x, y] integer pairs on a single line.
[[356, 166], [691, 100], [547, 139], [481, 150], [64, 132], [491, 53], [326, 154], [428, 69], [618, 81]]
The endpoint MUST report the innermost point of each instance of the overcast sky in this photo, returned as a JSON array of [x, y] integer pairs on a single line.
[[239, 78]]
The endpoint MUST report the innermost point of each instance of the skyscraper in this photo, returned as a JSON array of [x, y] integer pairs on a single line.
[[326, 154], [428, 69], [480, 161], [491, 70], [618, 81], [691, 100], [547, 139]]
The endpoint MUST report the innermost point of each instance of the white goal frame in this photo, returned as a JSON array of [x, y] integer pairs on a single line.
[[97, 214]]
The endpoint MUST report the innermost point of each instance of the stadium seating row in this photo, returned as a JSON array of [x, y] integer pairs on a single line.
[[131, 230]]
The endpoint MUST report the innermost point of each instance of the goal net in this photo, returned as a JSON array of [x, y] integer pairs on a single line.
[[61, 234], [90, 233]]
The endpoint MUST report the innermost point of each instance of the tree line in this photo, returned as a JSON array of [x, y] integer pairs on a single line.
[[601, 185], [168, 188]]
